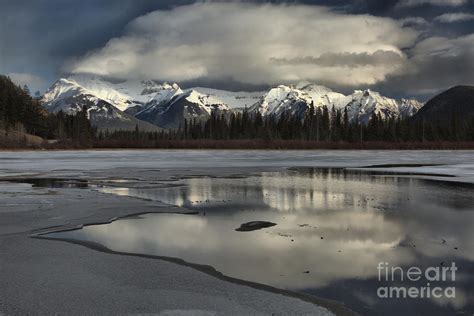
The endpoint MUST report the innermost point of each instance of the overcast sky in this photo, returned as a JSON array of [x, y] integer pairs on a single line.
[[403, 48]]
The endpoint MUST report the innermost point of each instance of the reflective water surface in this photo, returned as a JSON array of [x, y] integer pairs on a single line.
[[333, 228]]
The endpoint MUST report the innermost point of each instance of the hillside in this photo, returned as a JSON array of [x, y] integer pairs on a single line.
[[456, 103], [19, 112], [19, 139]]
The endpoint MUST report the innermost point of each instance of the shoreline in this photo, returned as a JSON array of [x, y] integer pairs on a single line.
[[336, 307], [250, 144], [14, 239], [73, 207]]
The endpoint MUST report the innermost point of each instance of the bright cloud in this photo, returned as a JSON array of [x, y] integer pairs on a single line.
[[414, 21], [454, 17], [254, 43]]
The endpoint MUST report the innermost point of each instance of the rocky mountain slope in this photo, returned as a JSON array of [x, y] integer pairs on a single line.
[[167, 105], [188, 105], [70, 97]]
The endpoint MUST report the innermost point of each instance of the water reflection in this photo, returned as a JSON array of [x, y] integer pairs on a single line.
[[337, 225]]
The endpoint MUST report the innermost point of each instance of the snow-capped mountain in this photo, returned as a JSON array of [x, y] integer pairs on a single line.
[[409, 107], [282, 99], [234, 100], [167, 105], [364, 103], [157, 102], [70, 97], [296, 99], [188, 105], [195, 103], [322, 96], [360, 105], [122, 94]]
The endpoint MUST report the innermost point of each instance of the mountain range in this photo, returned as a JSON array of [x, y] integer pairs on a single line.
[[152, 106]]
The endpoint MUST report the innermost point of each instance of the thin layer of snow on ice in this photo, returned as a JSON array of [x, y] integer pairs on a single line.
[[455, 163]]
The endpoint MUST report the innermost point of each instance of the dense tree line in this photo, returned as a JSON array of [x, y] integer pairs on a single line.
[[19, 112], [320, 124], [67, 126]]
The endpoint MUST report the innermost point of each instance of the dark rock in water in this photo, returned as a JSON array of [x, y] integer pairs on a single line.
[[250, 226]]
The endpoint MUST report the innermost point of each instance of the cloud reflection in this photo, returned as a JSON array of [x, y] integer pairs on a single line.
[[335, 224]]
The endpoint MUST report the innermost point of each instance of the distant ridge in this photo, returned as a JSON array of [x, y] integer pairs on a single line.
[[454, 103]]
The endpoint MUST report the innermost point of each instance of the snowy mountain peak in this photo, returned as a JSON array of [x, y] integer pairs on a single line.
[[360, 105], [188, 105], [151, 87], [364, 103], [312, 88], [234, 100], [70, 97], [122, 94], [165, 92], [63, 89], [166, 104], [296, 99], [205, 101]]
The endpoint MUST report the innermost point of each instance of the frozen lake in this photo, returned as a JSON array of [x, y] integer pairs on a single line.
[[459, 163], [333, 228], [337, 214]]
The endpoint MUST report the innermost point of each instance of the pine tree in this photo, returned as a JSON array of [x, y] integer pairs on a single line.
[[26, 89]]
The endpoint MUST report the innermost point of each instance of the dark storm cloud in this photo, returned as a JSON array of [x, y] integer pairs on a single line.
[[38, 38], [375, 7], [438, 63]]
